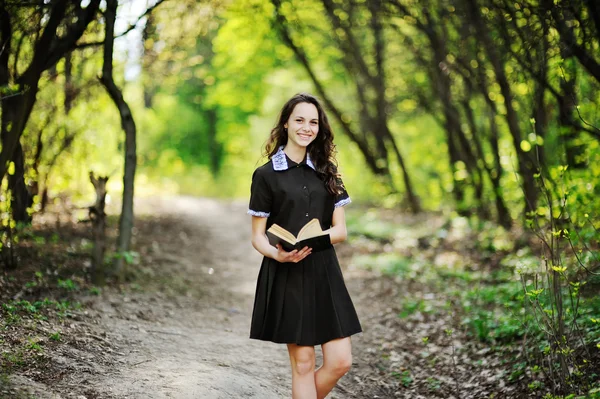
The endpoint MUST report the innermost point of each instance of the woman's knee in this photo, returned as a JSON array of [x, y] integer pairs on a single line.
[[304, 361], [340, 365]]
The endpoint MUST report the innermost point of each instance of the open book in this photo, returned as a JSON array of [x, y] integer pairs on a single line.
[[310, 236]]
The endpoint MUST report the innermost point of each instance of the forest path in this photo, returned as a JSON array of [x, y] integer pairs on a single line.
[[195, 345], [184, 332]]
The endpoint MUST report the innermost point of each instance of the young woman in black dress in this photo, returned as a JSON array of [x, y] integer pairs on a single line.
[[301, 299]]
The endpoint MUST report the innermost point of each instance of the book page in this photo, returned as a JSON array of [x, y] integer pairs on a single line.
[[282, 233], [310, 229]]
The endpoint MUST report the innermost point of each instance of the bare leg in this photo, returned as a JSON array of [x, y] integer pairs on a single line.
[[302, 359], [337, 359]]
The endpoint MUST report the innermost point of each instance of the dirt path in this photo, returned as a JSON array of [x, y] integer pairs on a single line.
[[199, 348], [191, 342], [185, 333]]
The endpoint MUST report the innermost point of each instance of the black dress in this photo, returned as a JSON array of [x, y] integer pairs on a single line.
[[305, 303]]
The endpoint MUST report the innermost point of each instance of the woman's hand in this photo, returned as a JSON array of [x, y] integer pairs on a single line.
[[261, 243], [293, 257]]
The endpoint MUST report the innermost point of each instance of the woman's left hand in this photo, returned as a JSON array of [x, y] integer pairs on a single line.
[[294, 256]]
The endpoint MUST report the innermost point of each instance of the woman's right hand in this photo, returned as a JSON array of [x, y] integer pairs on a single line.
[[294, 256]]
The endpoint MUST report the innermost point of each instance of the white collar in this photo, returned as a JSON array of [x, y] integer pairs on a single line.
[[280, 160]]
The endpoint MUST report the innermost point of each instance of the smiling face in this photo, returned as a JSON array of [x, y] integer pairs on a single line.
[[303, 124]]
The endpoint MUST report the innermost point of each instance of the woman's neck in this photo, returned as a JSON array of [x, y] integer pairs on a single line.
[[295, 152]]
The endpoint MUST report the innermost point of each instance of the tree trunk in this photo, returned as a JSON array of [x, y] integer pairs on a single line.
[[21, 199], [149, 38], [69, 88], [70, 94], [381, 105], [566, 105], [5, 44], [482, 209], [496, 172], [539, 104], [98, 219], [126, 219], [594, 11], [215, 148], [459, 148], [502, 212], [442, 91], [525, 164], [411, 197]]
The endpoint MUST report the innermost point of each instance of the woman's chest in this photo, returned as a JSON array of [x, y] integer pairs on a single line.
[[300, 186]]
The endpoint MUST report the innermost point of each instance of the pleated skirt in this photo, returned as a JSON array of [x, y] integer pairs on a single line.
[[304, 303]]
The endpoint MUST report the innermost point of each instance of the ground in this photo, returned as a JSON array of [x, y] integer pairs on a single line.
[[182, 332]]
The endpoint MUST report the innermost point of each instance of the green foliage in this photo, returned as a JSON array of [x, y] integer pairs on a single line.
[[55, 336], [405, 378], [495, 313], [14, 311], [433, 383], [232, 63], [33, 344], [14, 358], [367, 225], [67, 284], [389, 263], [518, 369], [592, 394], [411, 306], [498, 306], [130, 257]]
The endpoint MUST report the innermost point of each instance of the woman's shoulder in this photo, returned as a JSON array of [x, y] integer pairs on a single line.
[[264, 170]]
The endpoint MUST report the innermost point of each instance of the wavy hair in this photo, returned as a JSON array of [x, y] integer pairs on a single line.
[[321, 150]]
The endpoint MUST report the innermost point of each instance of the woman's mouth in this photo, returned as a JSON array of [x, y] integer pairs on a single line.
[[305, 136]]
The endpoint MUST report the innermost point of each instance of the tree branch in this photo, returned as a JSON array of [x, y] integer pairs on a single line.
[[62, 46], [126, 31], [281, 27], [42, 46], [569, 39]]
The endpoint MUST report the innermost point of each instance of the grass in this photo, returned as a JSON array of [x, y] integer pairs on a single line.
[[15, 309], [387, 263], [405, 378], [368, 225], [411, 306], [18, 320]]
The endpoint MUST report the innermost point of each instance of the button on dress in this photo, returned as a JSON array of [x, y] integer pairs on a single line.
[[305, 303]]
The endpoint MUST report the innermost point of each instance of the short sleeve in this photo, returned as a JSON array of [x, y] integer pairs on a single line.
[[261, 196], [342, 198]]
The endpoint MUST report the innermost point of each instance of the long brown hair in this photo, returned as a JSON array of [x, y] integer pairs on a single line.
[[321, 150]]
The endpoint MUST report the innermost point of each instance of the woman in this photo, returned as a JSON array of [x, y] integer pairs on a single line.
[[301, 299]]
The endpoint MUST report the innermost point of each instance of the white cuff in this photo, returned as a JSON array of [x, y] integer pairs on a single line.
[[343, 202], [259, 214]]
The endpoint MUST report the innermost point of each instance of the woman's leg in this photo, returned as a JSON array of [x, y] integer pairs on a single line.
[[337, 359], [302, 359]]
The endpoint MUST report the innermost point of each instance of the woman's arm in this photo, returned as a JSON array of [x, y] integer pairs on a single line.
[[260, 242], [338, 232]]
